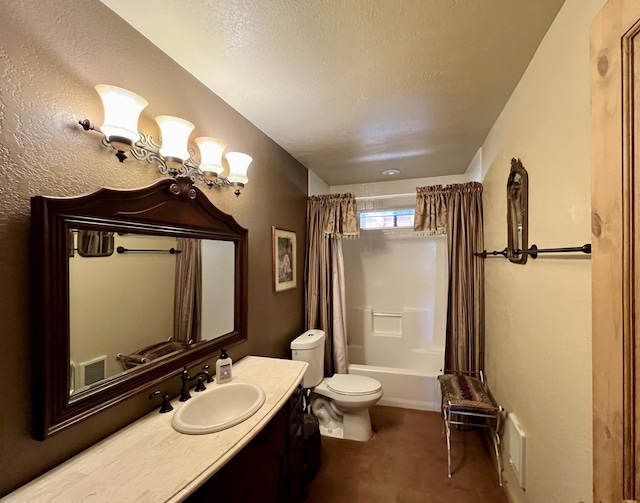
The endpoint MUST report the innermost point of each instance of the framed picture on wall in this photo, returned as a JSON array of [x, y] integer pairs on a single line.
[[284, 259]]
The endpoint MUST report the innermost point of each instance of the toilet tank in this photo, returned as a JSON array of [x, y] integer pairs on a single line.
[[309, 347]]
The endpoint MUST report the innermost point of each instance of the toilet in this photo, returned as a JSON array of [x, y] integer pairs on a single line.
[[341, 402]]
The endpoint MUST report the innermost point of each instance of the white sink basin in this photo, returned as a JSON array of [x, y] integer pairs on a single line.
[[218, 408]]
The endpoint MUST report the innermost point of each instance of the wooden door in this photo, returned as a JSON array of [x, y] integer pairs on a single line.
[[615, 90]]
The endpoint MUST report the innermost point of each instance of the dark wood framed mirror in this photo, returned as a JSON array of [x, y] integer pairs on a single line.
[[517, 213], [99, 335]]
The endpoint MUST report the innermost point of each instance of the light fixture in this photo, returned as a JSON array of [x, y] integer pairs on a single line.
[[391, 172], [211, 155], [175, 138], [173, 157], [238, 166], [122, 109]]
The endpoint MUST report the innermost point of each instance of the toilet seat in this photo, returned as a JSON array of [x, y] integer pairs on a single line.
[[353, 385]]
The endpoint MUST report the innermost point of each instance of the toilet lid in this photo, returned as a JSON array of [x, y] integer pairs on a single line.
[[349, 384]]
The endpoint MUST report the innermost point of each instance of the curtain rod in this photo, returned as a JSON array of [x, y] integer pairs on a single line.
[[534, 250], [384, 196], [122, 249]]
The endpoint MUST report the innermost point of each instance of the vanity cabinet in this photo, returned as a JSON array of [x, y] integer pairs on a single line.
[[297, 471], [170, 466], [269, 469]]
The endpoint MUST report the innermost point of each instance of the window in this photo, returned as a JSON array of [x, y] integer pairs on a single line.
[[385, 219]]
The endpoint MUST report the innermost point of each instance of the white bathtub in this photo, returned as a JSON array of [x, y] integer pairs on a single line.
[[408, 388]]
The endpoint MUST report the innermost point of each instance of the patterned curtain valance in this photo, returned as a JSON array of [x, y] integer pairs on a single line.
[[431, 210], [432, 206], [337, 212]]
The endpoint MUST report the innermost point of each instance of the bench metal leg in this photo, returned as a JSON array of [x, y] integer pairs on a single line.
[[496, 442], [496, 446], [447, 427], [494, 432]]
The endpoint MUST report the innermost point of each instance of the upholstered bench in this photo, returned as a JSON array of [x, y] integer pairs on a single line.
[[466, 401]]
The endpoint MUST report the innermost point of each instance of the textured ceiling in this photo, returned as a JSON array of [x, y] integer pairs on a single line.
[[353, 87]]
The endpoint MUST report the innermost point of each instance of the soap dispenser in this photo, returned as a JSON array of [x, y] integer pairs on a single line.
[[223, 368]]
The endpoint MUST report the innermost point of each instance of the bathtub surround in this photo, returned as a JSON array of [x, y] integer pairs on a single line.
[[330, 218], [392, 271], [396, 285], [404, 300]]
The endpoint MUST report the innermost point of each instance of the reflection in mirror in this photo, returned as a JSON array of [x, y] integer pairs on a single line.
[[158, 295], [517, 217], [93, 243]]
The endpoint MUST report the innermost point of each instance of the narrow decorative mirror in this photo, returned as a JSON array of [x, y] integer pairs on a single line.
[[517, 213], [169, 290]]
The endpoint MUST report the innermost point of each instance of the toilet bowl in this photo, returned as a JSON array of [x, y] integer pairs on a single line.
[[341, 402]]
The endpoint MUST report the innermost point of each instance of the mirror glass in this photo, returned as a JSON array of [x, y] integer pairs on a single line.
[[517, 207], [123, 307], [128, 288]]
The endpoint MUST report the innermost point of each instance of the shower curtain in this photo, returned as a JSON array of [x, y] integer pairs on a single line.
[[457, 210], [188, 291], [329, 219]]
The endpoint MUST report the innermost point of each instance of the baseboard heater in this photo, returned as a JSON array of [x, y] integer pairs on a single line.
[[517, 447]]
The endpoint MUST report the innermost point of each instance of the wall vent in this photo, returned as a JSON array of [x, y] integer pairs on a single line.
[[517, 443], [92, 371]]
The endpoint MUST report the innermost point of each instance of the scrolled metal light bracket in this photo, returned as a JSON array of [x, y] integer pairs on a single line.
[[145, 149]]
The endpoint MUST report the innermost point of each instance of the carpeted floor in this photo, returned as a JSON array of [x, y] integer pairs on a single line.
[[406, 462]]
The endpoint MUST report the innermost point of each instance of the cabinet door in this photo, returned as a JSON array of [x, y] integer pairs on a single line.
[[256, 474], [615, 97], [297, 471], [295, 450]]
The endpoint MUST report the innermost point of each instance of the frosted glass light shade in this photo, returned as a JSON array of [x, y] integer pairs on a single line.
[[175, 137], [122, 109], [238, 166], [210, 155]]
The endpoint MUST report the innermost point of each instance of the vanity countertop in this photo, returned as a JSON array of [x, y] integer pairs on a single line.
[[149, 461]]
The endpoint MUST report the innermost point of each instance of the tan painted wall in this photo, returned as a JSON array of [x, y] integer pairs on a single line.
[[52, 53], [538, 315]]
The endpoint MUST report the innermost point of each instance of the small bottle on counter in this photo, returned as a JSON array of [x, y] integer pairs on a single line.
[[223, 368]]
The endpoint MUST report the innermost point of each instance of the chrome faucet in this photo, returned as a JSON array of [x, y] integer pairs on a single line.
[[186, 379]]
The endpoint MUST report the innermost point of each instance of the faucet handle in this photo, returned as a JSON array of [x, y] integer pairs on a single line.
[[200, 384], [205, 369], [166, 405], [184, 393]]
